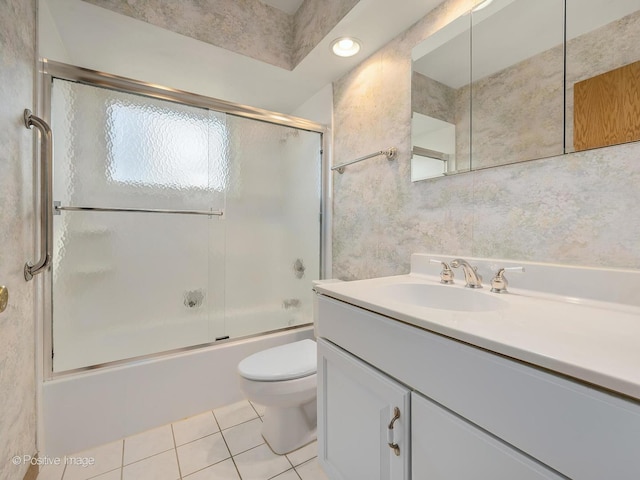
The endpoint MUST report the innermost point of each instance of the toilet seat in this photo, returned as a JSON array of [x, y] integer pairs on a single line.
[[285, 362]]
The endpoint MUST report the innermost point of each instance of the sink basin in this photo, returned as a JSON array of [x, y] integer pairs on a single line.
[[443, 297]]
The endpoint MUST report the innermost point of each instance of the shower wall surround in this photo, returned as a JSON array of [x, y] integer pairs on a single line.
[[17, 329], [578, 209]]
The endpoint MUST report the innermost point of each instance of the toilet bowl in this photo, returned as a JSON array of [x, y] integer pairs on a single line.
[[283, 379]]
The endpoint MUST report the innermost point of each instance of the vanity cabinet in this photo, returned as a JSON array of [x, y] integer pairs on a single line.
[[358, 405], [356, 410], [473, 414]]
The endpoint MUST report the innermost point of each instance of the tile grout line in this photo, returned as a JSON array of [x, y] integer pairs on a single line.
[[175, 446], [220, 430], [237, 424], [240, 423], [108, 471], [175, 449], [64, 471], [122, 461], [175, 443], [226, 444], [305, 462], [254, 409], [293, 467]]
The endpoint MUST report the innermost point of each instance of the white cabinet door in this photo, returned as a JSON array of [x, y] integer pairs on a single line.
[[356, 404], [447, 447]]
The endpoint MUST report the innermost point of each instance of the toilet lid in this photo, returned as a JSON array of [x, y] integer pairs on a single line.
[[286, 362]]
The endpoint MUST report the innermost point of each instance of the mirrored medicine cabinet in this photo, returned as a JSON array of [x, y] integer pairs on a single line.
[[518, 80]]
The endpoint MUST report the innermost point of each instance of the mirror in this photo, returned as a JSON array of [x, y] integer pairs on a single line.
[[603, 73], [520, 102], [440, 102], [504, 91], [517, 101]]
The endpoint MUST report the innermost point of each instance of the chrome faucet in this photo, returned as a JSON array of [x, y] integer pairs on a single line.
[[471, 275]]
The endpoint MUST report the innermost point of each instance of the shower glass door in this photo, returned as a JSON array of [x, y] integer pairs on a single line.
[[175, 225], [272, 226]]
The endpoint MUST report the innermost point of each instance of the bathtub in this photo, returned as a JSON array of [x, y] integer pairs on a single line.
[[91, 408]]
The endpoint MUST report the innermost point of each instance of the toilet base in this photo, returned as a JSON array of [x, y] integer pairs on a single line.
[[286, 429]]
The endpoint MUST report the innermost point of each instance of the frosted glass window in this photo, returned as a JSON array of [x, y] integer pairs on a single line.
[[141, 136], [117, 149]]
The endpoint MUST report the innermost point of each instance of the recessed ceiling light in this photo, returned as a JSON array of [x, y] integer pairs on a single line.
[[345, 46], [481, 5]]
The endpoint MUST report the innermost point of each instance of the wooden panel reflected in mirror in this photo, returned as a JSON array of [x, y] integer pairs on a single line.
[[602, 36], [607, 108]]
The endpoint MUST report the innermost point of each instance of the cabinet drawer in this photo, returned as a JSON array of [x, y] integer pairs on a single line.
[[446, 447], [578, 431]]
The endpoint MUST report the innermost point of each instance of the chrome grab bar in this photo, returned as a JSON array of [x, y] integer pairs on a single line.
[[46, 184], [390, 153]]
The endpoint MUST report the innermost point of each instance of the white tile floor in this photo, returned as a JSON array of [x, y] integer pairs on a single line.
[[223, 444]]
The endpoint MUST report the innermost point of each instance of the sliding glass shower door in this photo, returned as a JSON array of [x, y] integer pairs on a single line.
[[272, 226], [175, 225]]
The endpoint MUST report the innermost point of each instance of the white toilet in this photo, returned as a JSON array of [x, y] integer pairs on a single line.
[[283, 379]]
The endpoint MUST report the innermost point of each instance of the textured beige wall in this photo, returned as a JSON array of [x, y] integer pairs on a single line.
[[433, 98], [248, 27], [577, 209], [518, 113], [17, 365]]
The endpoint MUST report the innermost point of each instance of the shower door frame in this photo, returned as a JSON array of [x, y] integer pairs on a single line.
[[50, 69]]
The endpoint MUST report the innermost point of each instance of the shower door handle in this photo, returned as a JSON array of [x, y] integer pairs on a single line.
[[46, 183]]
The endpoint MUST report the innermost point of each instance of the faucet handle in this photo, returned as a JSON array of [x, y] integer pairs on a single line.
[[446, 275], [499, 282]]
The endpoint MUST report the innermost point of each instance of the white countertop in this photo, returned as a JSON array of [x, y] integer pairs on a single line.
[[596, 342]]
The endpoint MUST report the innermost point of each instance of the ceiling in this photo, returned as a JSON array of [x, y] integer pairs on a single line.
[[287, 6], [76, 32]]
